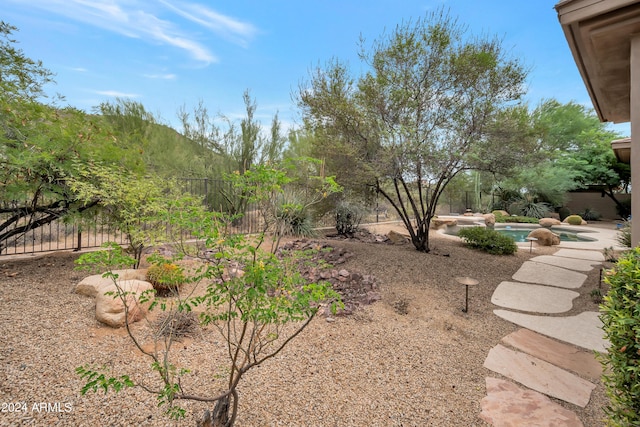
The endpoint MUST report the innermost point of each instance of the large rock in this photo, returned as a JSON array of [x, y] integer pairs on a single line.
[[489, 220], [110, 309], [549, 222], [545, 237], [437, 223], [397, 238], [91, 285]]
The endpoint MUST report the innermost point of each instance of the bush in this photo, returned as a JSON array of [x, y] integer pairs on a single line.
[[621, 322], [517, 219], [590, 215], [624, 235], [165, 277], [295, 220], [348, 218], [573, 219], [488, 240], [528, 207], [564, 212]]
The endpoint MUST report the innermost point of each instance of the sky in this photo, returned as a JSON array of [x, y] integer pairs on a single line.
[[173, 54]]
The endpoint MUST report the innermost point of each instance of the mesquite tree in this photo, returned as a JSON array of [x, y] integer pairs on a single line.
[[420, 114]]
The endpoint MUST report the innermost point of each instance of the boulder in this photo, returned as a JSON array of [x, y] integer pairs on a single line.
[[110, 308], [545, 237], [89, 286], [489, 220], [549, 222], [437, 223], [397, 238], [501, 212]]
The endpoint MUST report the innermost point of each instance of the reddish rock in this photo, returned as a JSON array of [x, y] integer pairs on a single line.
[[508, 405], [545, 237]]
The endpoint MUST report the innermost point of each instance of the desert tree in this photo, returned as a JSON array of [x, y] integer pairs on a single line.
[[417, 116], [256, 301], [42, 145]]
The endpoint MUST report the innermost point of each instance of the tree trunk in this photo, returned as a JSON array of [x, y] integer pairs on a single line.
[[220, 416]]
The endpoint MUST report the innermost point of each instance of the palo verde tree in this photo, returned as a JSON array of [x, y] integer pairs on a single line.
[[415, 118], [42, 145]]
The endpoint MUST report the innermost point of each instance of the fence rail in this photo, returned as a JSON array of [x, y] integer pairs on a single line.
[[91, 232]]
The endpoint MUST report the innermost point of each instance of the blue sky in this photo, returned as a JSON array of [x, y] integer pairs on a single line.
[[167, 53]]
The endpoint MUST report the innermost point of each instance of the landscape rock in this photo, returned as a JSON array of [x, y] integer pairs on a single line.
[[437, 223], [545, 237], [110, 309], [506, 404], [397, 238], [489, 220], [549, 222], [503, 213], [91, 285]]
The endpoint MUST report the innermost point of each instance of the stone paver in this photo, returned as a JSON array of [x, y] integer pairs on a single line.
[[583, 330], [560, 354], [539, 375], [507, 405], [544, 274], [579, 254], [536, 298], [570, 263]]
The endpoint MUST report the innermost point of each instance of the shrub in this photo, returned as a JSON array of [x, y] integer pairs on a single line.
[[294, 220], [624, 235], [621, 322], [590, 215], [348, 217], [488, 240], [574, 219], [165, 277], [564, 212], [517, 219]]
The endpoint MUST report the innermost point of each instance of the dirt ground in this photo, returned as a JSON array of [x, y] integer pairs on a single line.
[[421, 365]]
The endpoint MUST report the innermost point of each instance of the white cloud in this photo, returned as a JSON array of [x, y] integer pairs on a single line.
[[79, 69], [131, 18], [160, 76], [116, 94], [225, 26]]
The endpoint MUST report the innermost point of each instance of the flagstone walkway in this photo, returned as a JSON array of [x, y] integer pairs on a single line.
[[553, 355]]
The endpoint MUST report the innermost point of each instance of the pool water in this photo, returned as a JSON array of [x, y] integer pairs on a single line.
[[520, 235]]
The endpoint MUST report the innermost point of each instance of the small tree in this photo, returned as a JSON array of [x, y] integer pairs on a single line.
[[256, 301], [419, 116], [132, 204]]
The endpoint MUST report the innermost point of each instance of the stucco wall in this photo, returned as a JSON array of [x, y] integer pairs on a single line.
[[579, 201]]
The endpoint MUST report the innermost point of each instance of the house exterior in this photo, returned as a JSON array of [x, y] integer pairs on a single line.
[[604, 38]]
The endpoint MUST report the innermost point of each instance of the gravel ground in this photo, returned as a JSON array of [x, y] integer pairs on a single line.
[[377, 367]]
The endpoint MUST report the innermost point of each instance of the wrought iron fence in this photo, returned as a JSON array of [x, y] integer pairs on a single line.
[[92, 231]]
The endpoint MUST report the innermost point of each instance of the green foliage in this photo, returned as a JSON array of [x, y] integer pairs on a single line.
[[564, 212], [381, 128], [529, 206], [589, 214], [621, 323], [488, 240], [573, 220], [43, 146], [99, 381], [624, 234], [349, 215], [516, 219], [133, 204], [284, 209], [166, 277], [255, 300]]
